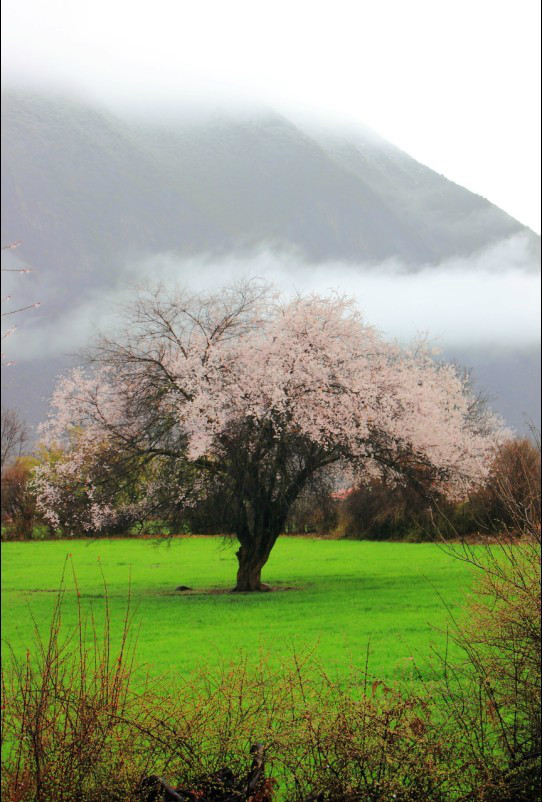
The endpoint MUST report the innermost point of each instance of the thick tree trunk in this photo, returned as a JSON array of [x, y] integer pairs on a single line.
[[260, 522], [251, 560]]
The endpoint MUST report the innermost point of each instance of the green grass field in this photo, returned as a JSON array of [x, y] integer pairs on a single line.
[[346, 594]]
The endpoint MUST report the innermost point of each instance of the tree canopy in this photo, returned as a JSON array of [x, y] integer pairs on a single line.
[[255, 396]]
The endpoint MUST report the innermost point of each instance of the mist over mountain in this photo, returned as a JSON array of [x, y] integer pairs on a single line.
[[100, 201], [85, 190]]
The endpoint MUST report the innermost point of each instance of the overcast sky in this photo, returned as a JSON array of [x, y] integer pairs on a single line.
[[454, 83]]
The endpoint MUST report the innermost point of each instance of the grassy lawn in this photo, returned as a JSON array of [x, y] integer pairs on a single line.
[[346, 593]]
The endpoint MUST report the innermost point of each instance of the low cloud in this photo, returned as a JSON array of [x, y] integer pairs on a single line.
[[488, 300]]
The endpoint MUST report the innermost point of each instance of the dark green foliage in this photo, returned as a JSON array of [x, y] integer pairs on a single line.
[[380, 511]]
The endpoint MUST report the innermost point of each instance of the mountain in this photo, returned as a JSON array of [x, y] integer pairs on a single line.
[[89, 194], [84, 190]]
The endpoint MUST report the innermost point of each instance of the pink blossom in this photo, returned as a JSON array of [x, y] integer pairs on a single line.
[[308, 371]]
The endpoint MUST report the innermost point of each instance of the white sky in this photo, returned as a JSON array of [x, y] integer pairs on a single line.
[[455, 83]]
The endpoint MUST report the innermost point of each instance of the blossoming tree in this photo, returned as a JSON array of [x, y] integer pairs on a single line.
[[255, 396]]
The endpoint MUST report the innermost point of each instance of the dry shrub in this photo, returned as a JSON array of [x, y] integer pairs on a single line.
[[81, 722], [494, 694], [78, 724], [69, 713], [491, 694], [512, 493], [319, 738]]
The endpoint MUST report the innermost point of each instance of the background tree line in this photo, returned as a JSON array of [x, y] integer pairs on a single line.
[[375, 510]]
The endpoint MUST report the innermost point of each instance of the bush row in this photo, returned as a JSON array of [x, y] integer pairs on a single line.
[[375, 510]]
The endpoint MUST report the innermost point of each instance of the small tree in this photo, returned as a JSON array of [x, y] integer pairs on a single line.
[[14, 435], [254, 397]]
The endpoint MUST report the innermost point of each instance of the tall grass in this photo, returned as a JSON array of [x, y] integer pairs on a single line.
[[68, 712], [80, 723]]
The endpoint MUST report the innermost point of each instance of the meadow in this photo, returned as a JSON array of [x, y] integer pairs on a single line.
[[337, 597]]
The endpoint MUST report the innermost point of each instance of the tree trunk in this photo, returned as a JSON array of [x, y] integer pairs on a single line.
[[260, 522], [251, 560]]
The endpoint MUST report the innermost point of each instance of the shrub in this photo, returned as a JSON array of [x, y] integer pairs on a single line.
[[494, 695], [510, 498], [380, 511], [315, 511], [68, 714], [78, 724], [18, 500]]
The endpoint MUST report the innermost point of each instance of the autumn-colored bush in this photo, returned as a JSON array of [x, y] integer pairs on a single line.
[[510, 498], [18, 500]]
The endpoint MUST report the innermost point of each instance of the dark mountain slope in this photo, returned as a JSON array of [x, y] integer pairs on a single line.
[[81, 194], [266, 181], [450, 220]]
